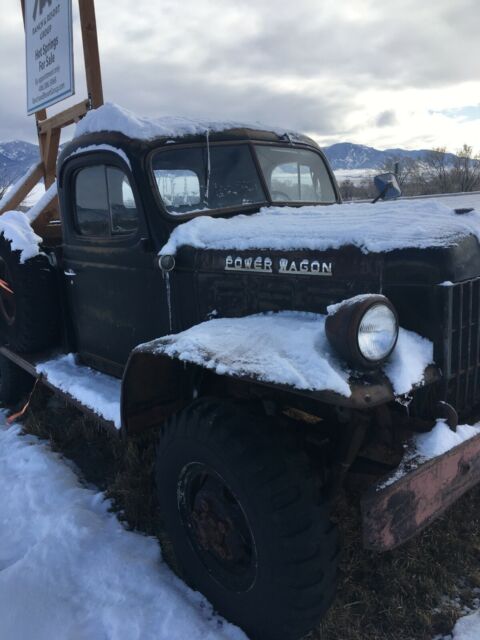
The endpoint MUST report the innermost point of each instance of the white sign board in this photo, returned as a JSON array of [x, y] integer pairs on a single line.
[[49, 48]]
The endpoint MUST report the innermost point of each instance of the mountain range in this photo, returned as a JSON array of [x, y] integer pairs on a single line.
[[346, 155], [17, 156]]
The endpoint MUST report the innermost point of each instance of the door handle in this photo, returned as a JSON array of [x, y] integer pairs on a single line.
[[70, 273]]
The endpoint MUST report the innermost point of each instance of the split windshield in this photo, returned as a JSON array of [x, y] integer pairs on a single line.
[[225, 176]]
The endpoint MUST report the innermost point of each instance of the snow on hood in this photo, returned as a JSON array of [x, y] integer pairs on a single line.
[[289, 347], [373, 228], [112, 117]]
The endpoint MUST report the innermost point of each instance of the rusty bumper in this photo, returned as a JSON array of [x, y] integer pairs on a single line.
[[394, 514]]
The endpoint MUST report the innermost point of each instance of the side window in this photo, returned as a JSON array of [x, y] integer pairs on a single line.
[[105, 204], [122, 202], [91, 200]]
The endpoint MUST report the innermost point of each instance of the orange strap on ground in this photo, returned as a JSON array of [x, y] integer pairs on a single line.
[[19, 414]]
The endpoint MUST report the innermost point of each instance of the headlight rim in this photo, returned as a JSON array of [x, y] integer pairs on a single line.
[[342, 329]]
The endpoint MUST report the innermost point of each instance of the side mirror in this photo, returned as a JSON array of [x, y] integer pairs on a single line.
[[387, 186]]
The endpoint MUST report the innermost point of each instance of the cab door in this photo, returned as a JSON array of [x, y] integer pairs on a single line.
[[116, 294]]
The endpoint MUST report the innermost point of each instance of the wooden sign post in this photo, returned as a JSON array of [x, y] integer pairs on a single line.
[[49, 128]]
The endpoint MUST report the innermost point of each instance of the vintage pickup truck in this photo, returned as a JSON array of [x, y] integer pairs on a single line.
[[276, 340]]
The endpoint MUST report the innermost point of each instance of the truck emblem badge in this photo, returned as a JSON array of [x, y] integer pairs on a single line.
[[261, 264]]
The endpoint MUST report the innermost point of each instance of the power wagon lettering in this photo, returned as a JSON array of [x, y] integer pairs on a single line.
[[262, 264]]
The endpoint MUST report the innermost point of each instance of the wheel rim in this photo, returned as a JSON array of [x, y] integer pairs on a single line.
[[217, 527], [8, 306]]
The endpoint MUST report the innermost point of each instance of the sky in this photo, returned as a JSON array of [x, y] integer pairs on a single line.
[[384, 73]]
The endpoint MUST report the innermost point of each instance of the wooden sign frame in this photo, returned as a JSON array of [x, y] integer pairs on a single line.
[[49, 128]]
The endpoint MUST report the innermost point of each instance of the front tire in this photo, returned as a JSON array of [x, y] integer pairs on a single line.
[[247, 529]]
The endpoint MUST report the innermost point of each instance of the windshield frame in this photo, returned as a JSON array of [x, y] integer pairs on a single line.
[[248, 208]]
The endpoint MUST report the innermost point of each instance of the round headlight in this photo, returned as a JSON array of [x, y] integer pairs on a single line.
[[377, 332], [363, 329]]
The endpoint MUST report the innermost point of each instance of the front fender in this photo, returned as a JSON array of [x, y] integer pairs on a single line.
[[156, 385]]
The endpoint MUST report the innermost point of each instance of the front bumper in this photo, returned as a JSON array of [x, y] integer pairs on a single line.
[[394, 513]]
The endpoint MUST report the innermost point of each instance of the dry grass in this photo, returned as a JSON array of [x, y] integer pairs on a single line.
[[393, 596], [400, 595]]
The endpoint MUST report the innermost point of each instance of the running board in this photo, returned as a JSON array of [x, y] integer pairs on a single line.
[[30, 364]]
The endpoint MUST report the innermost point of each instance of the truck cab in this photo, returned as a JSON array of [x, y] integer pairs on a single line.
[[120, 200]]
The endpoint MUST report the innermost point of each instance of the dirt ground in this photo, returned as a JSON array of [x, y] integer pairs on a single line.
[[413, 593]]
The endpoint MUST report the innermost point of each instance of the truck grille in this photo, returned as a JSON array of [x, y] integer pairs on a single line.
[[461, 344]]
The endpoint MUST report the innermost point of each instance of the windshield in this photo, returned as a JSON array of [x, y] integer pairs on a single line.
[[295, 175], [225, 176]]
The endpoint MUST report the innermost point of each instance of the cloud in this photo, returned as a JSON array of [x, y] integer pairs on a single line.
[[386, 118], [377, 73]]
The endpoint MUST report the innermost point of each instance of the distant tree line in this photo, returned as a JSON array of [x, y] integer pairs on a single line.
[[435, 172], [5, 182]]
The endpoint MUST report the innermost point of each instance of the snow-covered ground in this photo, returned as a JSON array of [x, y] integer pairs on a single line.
[[70, 571], [355, 175], [467, 628], [453, 200]]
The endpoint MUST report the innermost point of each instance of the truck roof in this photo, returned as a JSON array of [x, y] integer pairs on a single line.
[[111, 118]]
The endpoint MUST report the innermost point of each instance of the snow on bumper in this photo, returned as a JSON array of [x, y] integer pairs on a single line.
[[400, 507]]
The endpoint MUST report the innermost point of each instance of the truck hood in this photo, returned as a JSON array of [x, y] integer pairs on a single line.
[[308, 258]]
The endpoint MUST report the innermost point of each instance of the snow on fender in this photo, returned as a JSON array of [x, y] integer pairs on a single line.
[[287, 349]]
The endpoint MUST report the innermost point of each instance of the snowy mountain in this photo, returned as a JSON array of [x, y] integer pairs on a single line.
[[16, 157], [346, 155]]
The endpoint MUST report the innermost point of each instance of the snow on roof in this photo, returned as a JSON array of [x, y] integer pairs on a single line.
[[288, 348], [373, 228], [101, 147], [112, 117], [70, 569]]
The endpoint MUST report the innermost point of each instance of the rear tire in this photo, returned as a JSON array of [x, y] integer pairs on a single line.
[[29, 316], [14, 382], [238, 506]]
